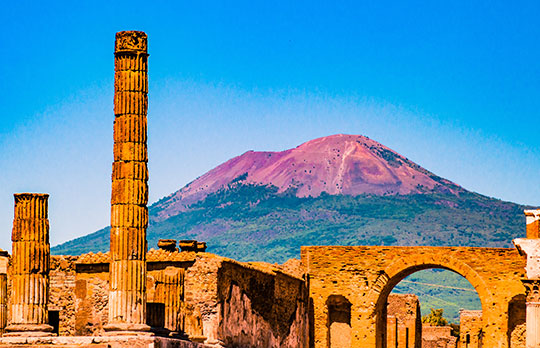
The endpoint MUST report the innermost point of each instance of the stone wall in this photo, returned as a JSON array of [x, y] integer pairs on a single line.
[[62, 291], [365, 276], [246, 305], [91, 299], [438, 337], [404, 321], [261, 308], [220, 301]]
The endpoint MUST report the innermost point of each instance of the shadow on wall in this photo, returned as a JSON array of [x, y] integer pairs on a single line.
[[516, 321]]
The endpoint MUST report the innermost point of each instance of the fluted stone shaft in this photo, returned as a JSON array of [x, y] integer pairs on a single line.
[[170, 292], [30, 266], [4, 261], [129, 213], [3, 301]]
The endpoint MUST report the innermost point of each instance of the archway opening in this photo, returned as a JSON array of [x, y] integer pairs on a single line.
[[432, 307], [339, 321]]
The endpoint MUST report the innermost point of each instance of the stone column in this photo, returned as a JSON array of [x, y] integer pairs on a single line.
[[30, 267], [129, 213], [533, 312], [170, 291], [4, 260], [530, 247]]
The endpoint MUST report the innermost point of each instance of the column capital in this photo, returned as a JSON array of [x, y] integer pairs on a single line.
[[131, 42], [532, 290]]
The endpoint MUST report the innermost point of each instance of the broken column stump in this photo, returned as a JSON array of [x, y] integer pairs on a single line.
[[30, 267]]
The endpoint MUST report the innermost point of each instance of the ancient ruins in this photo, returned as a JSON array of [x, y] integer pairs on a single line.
[[181, 296], [366, 275]]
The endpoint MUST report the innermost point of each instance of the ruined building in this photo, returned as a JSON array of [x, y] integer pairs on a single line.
[[181, 296]]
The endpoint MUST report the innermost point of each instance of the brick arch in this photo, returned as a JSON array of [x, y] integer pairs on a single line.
[[403, 267], [366, 275]]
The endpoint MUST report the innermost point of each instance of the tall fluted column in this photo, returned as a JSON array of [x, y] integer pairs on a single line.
[[30, 267], [129, 213]]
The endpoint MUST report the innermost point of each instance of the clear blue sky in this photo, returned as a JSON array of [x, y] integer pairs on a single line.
[[454, 86]]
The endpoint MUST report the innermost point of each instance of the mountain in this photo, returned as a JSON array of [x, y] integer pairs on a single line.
[[337, 165], [340, 189]]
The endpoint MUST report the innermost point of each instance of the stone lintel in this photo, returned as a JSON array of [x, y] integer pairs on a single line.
[[530, 248], [532, 213]]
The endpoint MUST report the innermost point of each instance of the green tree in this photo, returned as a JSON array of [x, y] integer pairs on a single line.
[[435, 318]]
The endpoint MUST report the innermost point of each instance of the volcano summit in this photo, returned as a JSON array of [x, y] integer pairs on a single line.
[[338, 165]]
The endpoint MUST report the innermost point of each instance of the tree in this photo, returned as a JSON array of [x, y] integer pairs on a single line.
[[435, 318]]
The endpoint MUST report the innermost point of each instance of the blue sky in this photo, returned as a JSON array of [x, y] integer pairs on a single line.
[[454, 86]]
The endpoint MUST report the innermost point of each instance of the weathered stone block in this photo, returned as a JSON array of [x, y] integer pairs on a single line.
[[130, 128], [126, 242], [129, 191], [124, 215], [130, 170], [130, 152], [130, 80]]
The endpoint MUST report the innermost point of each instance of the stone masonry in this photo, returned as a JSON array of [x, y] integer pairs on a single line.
[[365, 275], [470, 328], [438, 337], [30, 267], [205, 297], [404, 321], [129, 213]]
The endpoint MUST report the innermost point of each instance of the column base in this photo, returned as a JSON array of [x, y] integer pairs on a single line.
[[29, 330], [197, 339], [127, 329]]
